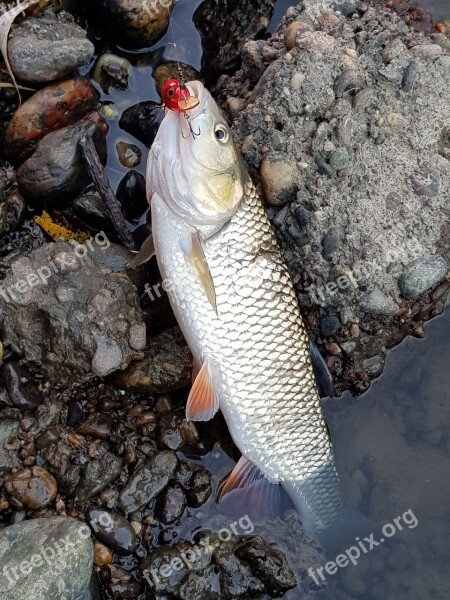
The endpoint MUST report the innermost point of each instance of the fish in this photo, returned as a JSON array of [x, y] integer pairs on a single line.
[[235, 302]]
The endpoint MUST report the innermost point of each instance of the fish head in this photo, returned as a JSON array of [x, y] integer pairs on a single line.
[[194, 165]]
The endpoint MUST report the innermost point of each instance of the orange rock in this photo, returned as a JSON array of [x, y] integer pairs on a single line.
[[54, 107], [102, 555], [33, 487]]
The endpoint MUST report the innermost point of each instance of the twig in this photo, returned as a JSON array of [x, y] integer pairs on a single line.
[[101, 182]]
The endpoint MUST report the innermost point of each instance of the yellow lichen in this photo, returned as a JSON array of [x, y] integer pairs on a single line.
[[56, 231]]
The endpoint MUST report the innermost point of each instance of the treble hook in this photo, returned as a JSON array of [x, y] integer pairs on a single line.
[[192, 132]]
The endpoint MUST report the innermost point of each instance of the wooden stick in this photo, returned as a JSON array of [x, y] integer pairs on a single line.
[[101, 182]]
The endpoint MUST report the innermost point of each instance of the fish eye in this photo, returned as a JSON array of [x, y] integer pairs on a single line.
[[222, 134]]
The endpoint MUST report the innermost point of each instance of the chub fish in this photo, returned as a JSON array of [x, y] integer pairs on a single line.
[[235, 303]]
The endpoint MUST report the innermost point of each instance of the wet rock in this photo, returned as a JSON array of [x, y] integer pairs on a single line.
[[12, 212], [198, 587], [375, 302], [174, 431], [278, 180], [199, 488], [132, 195], [148, 482], [120, 583], [129, 154], [142, 121], [98, 475], [65, 297], [111, 71], [167, 366], [133, 23], [52, 108], [22, 389], [92, 210], [58, 457], [63, 571], [421, 275], [171, 69], [9, 446], [111, 528], [267, 563], [32, 487], [56, 172], [170, 504], [49, 48], [97, 426]]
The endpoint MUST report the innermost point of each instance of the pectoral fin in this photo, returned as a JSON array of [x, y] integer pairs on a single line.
[[146, 252], [195, 258], [203, 401]]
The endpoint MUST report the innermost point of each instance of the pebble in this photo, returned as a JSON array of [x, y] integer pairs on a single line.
[[98, 475], [102, 555], [47, 49], [376, 302], [167, 366], [22, 390], [97, 426], [348, 347], [92, 209], [133, 23], [148, 482], [9, 446], [174, 431], [278, 181], [132, 196], [339, 159], [199, 488], [33, 487], [329, 325], [142, 121], [171, 504], [66, 576], [331, 243], [111, 70], [421, 275], [332, 348], [373, 366], [409, 76], [12, 212], [54, 107], [427, 51], [129, 155], [294, 29], [112, 529]]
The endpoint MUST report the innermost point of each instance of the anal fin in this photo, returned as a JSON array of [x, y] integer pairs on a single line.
[[247, 485]]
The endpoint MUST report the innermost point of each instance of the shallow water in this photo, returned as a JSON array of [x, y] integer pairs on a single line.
[[392, 448]]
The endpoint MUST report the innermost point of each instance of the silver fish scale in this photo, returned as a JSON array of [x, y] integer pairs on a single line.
[[267, 387]]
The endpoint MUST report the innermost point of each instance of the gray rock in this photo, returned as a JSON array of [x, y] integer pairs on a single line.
[[46, 558], [373, 366], [375, 302], [72, 315], [329, 325], [56, 172], [48, 49], [148, 482], [421, 275]]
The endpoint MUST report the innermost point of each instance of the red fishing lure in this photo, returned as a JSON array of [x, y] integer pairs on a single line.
[[176, 96]]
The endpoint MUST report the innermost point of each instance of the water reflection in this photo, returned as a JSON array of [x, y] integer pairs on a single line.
[[392, 448]]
